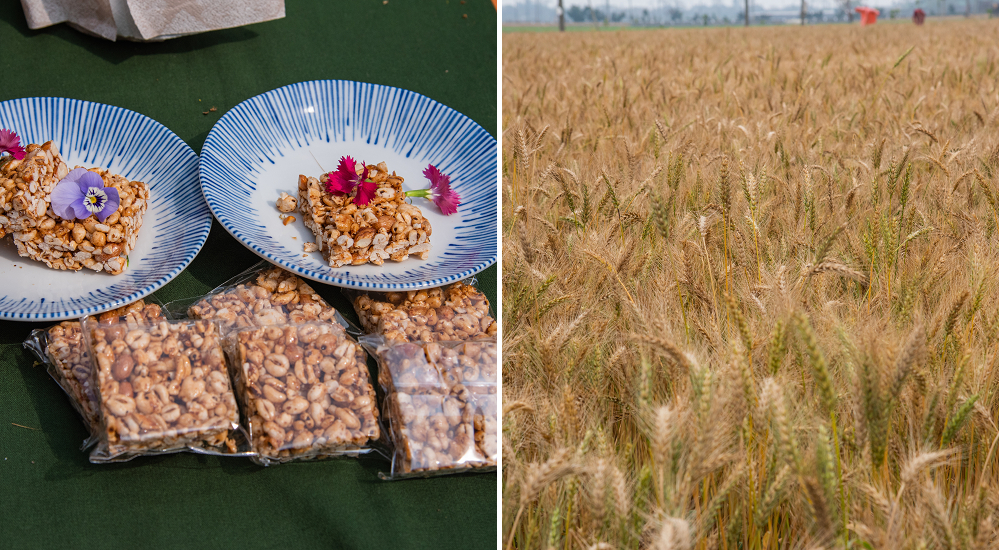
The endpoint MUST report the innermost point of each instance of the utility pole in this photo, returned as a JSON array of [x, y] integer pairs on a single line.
[[562, 18], [803, 12], [746, 13]]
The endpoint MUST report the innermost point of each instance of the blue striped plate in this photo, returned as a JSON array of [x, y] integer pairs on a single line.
[[259, 148], [174, 227]]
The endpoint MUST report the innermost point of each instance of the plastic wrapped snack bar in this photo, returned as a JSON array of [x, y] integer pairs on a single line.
[[263, 295], [484, 424], [62, 349], [455, 312], [304, 390], [161, 388], [440, 405]]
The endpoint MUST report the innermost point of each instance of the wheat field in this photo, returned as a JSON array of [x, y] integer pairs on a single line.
[[750, 288]]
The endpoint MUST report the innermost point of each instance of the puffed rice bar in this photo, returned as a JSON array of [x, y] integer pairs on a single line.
[[455, 312], [163, 386], [273, 297], [71, 365], [39, 234], [304, 390], [387, 228]]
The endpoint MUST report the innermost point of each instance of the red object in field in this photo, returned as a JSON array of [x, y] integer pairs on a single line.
[[918, 16], [868, 15]]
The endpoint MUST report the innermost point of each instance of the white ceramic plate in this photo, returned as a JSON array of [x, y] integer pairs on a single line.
[[174, 227], [259, 148]]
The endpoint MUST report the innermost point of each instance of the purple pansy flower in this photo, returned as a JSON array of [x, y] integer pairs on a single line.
[[82, 193]]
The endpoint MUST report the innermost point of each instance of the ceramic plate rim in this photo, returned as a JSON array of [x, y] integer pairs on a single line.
[[323, 277], [202, 233]]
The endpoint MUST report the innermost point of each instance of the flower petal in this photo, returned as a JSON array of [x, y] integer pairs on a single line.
[[8, 139], [89, 179], [65, 197], [111, 205], [447, 200], [436, 177], [345, 178], [11, 143], [74, 175], [366, 192]]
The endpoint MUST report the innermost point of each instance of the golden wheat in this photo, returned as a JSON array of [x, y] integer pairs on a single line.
[[750, 288]]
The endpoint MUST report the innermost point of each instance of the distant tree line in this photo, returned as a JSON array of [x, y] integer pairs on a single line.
[[577, 14]]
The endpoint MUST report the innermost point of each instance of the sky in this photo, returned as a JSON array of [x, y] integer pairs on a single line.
[[639, 4]]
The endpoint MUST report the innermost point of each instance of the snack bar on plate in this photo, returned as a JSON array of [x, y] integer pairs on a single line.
[[39, 234], [458, 311], [386, 228]]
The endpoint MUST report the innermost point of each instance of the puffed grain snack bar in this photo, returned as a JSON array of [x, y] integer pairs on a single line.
[[69, 362], [484, 424], [304, 390], [162, 387], [430, 381], [457, 311], [272, 296], [387, 228], [431, 433], [25, 193]]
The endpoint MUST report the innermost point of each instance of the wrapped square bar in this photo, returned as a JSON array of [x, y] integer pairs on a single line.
[[162, 387], [440, 405], [387, 228], [431, 433], [304, 390], [262, 297], [63, 350], [39, 234], [484, 424], [458, 311]]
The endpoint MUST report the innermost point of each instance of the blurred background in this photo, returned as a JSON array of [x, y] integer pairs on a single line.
[[661, 13]]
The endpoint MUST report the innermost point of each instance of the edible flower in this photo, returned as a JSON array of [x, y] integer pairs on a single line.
[[446, 199], [10, 142], [82, 193], [346, 179]]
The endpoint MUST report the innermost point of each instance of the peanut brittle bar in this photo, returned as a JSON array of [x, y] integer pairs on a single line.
[[387, 228], [454, 312], [25, 195]]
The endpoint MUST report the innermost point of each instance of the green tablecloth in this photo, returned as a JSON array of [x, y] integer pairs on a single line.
[[50, 495]]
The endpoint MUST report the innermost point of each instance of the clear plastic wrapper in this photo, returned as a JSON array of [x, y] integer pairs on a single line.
[[62, 349], [263, 295], [161, 388], [454, 312], [440, 405], [304, 390]]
